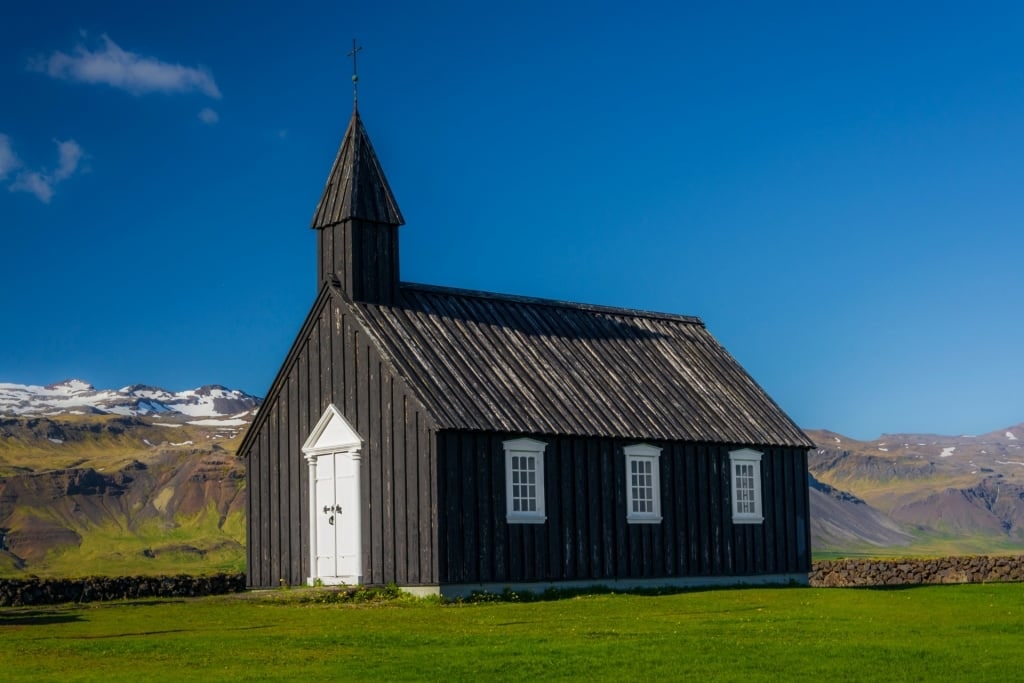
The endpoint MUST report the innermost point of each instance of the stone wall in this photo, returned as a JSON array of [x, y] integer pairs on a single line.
[[910, 572], [824, 574], [35, 591]]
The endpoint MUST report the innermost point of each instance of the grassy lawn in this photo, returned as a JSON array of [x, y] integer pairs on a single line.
[[964, 632]]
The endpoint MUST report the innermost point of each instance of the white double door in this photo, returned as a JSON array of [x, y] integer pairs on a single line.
[[336, 517]]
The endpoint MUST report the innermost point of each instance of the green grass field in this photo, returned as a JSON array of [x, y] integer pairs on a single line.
[[934, 633]]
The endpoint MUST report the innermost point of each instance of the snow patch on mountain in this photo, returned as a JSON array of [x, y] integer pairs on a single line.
[[75, 396], [233, 422]]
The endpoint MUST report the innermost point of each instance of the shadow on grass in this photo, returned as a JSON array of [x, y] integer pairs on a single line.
[[164, 632], [37, 617]]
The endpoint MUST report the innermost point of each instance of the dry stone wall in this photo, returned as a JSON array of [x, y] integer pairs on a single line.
[[910, 572], [35, 591], [824, 574]]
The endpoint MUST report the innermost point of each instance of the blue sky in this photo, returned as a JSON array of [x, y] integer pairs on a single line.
[[836, 191]]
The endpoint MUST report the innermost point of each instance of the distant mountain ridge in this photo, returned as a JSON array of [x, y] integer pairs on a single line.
[[965, 493], [121, 479], [75, 396]]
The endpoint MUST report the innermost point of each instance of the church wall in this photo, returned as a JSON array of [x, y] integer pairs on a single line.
[[364, 257], [586, 535], [333, 361]]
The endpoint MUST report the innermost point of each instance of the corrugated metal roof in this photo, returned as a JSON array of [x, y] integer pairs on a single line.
[[493, 362], [356, 186]]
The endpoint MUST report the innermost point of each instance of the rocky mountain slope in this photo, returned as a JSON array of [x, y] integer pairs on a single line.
[[841, 520], [138, 479], [964, 493]]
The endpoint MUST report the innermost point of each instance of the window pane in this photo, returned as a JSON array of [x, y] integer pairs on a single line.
[[642, 483], [745, 486]]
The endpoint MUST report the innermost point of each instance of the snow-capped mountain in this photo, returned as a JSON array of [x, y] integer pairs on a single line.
[[74, 396]]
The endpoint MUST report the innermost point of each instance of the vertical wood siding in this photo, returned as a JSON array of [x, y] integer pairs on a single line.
[[334, 362], [586, 536], [364, 257]]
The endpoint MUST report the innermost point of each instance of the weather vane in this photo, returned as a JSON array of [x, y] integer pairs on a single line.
[[355, 72]]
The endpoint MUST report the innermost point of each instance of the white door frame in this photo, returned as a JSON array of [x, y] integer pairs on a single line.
[[333, 435]]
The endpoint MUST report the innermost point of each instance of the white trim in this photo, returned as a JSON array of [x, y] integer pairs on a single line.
[[334, 435], [338, 433], [645, 456], [752, 458], [533, 450]]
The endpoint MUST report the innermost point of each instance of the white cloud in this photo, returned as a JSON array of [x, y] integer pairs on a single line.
[[208, 116], [8, 159], [70, 153], [34, 182], [41, 183], [126, 70]]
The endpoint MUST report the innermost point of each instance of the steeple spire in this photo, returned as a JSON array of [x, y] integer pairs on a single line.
[[355, 74], [356, 187], [357, 218]]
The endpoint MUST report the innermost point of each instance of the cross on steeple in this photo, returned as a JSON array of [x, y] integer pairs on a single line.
[[355, 72]]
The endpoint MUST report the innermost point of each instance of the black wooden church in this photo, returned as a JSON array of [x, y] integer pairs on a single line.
[[452, 440]]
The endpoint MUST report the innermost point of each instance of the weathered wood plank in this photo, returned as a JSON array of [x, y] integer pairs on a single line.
[[718, 472], [369, 421], [253, 547], [566, 509], [416, 509], [347, 363], [470, 470], [276, 554], [593, 473], [701, 490], [801, 516], [427, 446], [774, 522], [694, 539], [401, 457], [515, 552], [790, 511], [610, 509], [500, 541], [450, 462], [669, 511], [382, 424], [290, 483], [579, 459], [486, 505]]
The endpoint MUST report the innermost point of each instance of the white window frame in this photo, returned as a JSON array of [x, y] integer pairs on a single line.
[[746, 457], [643, 455], [524, 448]]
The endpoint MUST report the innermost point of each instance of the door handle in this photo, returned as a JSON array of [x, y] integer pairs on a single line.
[[330, 520], [332, 508]]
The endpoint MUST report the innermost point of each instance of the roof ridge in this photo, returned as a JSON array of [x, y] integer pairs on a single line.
[[553, 303]]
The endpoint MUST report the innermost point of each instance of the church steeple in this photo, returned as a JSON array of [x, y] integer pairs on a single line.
[[357, 219], [356, 187]]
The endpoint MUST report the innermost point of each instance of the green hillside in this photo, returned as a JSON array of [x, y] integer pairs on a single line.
[[101, 494]]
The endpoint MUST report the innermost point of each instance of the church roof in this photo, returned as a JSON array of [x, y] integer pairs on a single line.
[[356, 187], [492, 362]]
